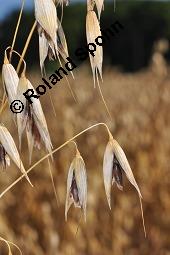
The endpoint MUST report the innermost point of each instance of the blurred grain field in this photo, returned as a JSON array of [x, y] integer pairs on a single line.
[[139, 104]]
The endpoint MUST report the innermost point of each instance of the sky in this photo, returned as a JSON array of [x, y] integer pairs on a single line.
[[6, 6]]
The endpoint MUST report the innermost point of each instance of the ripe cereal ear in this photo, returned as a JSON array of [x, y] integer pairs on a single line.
[[121, 157], [92, 32], [10, 80], [40, 120], [9, 145], [46, 16], [77, 168]]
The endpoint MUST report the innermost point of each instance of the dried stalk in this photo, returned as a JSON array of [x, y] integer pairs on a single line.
[[49, 154]]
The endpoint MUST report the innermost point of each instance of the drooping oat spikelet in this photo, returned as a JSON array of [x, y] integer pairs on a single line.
[[32, 119], [99, 5], [38, 122], [76, 185], [121, 158], [46, 47], [10, 80], [10, 149], [115, 160], [96, 60], [114, 164], [46, 16], [92, 32]]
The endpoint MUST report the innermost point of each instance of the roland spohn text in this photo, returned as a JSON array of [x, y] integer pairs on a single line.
[[81, 55]]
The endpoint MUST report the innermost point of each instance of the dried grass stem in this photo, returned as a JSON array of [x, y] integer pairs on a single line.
[[16, 29], [26, 46], [54, 151]]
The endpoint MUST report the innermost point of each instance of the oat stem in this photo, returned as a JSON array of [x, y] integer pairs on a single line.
[[25, 66], [8, 244], [26, 45], [3, 106], [16, 29], [54, 151], [75, 144], [143, 220], [103, 99]]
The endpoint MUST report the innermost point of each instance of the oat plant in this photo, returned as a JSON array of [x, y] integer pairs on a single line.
[[32, 121], [76, 184]]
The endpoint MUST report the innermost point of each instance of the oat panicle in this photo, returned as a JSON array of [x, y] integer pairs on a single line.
[[32, 119], [115, 164], [10, 149], [76, 185], [46, 16], [92, 32], [10, 80]]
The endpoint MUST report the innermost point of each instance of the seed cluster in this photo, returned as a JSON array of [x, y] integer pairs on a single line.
[[115, 165], [32, 121]]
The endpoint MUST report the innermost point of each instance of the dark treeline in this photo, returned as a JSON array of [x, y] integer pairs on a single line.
[[144, 23]]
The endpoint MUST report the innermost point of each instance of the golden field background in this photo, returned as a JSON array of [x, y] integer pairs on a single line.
[[139, 104]]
